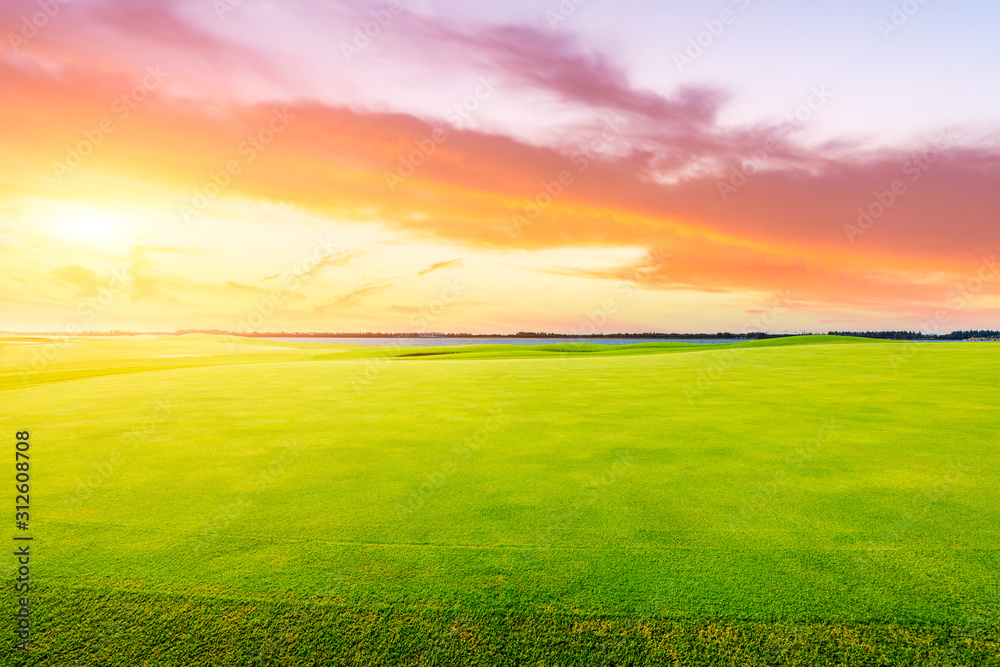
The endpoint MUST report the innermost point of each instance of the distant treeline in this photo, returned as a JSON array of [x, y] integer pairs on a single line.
[[916, 335], [725, 335]]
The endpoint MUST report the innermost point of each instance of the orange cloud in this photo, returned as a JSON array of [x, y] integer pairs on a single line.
[[440, 265], [627, 184]]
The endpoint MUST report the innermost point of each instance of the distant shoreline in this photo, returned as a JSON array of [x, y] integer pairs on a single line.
[[970, 335], [717, 336]]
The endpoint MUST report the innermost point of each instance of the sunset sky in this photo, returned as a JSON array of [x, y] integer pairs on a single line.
[[463, 166]]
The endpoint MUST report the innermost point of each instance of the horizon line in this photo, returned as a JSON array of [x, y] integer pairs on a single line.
[[520, 334]]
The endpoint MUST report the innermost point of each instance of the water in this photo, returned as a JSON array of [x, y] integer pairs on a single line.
[[436, 342]]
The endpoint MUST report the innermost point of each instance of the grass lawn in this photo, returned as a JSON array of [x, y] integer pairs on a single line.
[[198, 500]]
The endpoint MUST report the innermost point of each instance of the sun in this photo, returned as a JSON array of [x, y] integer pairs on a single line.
[[87, 224], [91, 225]]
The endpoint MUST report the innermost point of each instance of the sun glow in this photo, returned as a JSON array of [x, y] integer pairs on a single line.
[[92, 225], [88, 224]]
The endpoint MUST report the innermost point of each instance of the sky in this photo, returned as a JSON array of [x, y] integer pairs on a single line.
[[574, 166]]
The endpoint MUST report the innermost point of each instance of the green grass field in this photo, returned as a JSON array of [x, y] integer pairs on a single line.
[[202, 501]]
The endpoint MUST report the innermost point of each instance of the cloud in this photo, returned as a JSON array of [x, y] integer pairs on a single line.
[[544, 289], [340, 258], [144, 284], [451, 263], [84, 280], [355, 296], [557, 64], [656, 188], [673, 135], [154, 32], [246, 288]]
